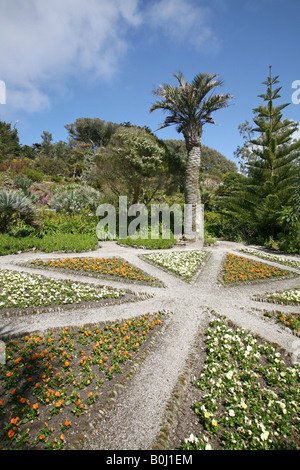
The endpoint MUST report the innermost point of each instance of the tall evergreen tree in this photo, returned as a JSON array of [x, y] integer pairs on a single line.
[[272, 171]]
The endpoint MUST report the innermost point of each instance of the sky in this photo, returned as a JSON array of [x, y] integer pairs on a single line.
[[65, 59]]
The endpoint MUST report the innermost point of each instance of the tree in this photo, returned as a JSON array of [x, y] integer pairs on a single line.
[[9, 142], [271, 168], [132, 164], [94, 132], [189, 107]]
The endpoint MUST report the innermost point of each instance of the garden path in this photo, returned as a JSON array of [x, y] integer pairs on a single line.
[[136, 418]]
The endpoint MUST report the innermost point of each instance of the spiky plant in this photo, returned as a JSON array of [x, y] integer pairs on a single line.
[[14, 205]]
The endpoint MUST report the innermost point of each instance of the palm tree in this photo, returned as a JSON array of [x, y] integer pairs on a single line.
[[189, 107]]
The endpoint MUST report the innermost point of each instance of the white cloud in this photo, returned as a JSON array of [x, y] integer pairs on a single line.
[[47, 41], [184, 20]]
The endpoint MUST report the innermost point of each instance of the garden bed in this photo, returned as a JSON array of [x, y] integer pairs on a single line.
[[104, 268], [54, 384], [243, 395], [240, 270], [288, 297], [184, 264]]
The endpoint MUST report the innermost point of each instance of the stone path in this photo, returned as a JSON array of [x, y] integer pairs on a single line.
[[135, 420]]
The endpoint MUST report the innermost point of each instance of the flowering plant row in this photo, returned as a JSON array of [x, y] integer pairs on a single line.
[[97, 266], [22, 290], [288, 297], [50, 382], [269, 257], [290, 320], [248, 396], [183, 263], [241, 269]]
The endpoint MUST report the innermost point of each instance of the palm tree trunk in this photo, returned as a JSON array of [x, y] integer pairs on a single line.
[[194, 222]]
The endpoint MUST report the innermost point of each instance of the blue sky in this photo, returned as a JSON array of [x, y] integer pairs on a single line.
[[65, 59]]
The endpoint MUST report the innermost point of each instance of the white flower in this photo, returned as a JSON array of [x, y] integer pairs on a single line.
[[192, 439], [264, 435], [231, 413]]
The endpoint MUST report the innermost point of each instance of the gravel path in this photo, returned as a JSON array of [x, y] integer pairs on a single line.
[[135, 420]]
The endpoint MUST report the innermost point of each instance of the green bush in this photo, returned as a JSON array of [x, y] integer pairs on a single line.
[[85, 222], [15, 206], [74, 199], [49, 243], [151, 244]]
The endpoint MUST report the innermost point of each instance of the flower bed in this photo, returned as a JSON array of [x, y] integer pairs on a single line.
[[103, 267], [22, 290], [289, 320], [289, 297], [246, 395], [182, 263], [53, 384], [269, 257], [241, 269]]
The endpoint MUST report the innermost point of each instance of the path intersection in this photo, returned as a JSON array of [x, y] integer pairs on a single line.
[[136, 418]]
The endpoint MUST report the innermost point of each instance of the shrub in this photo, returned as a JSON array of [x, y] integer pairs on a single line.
[[74, 199], [14, 206]]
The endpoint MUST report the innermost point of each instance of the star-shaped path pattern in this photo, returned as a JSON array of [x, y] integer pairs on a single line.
[[136, 418]]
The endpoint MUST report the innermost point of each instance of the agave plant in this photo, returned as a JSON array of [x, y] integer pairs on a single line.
[[13, 206]]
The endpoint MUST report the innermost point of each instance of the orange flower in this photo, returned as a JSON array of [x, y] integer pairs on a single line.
[[14, 420], [67, 363], [10, 433], [35, 406]]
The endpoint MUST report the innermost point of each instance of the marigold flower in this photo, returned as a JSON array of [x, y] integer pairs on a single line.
[[10, 433]]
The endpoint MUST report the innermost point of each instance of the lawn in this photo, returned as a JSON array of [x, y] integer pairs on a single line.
[[240, 269], [53, 384]]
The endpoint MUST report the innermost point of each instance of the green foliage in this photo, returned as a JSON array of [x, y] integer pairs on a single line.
[[151, 244], [95, 132], [13, 206], [58, 242], [75, 198], [256, 204], [133, 164], [83, 223], [9, 142]]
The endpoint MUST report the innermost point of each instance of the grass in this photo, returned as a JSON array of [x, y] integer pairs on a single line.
[[241, 269], [246, 395], [48, 243], [51, 383], [112, 267]]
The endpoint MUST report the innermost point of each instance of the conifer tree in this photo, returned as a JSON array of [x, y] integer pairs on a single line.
[[272, 171]]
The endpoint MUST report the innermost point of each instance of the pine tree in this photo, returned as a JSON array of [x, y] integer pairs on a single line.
[[272, 171]]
